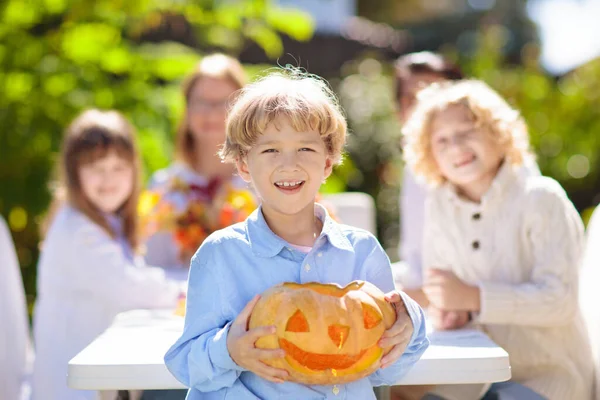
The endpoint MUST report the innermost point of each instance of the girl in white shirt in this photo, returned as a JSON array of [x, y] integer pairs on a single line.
[[500, 245], [14, 334], [89, 269]]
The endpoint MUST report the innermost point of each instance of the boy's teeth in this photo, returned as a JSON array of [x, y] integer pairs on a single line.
[[287, 184]]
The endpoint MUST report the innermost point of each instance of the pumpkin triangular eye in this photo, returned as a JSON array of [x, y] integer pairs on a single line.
[[297, 323], [338, 334], [371, 316]]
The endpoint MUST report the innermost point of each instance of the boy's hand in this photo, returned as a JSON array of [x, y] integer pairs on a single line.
[[240, 344], [447, 320], [447, 292], [399, 334]]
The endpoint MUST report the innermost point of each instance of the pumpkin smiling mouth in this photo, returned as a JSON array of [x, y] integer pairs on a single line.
[[319, 362]]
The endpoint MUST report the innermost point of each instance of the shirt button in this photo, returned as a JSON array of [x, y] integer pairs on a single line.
[[475, 244], [320, 254], [307, 267], [477, 216], [335, 390]]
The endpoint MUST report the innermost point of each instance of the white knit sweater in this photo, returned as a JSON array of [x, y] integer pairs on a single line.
[[522, 246]]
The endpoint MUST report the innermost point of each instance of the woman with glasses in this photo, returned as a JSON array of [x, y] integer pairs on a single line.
[[190, 188]]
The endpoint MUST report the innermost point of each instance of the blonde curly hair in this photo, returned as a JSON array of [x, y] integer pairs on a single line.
[[489, 110], [304, 99]]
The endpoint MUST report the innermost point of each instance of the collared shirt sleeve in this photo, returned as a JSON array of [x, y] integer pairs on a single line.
[[379, 273], [200, 358]]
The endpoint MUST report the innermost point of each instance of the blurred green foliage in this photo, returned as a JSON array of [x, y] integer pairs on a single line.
[[563, 115], [58, 57]]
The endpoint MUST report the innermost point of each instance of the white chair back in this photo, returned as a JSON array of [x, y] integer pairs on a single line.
[[355, 209]]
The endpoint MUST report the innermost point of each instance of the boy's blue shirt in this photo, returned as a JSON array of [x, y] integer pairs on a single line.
[[236, 263]]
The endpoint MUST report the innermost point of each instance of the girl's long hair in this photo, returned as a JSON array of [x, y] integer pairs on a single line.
[[91, 136]]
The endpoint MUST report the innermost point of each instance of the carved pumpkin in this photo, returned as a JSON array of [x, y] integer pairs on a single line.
[[329, 333]]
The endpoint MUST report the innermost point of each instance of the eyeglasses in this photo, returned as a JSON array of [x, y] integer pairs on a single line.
[[205, 106]]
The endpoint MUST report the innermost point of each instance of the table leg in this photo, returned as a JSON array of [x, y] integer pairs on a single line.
[[382, 392]]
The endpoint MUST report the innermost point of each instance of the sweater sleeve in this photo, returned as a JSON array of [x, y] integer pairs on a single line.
[[554, 232]]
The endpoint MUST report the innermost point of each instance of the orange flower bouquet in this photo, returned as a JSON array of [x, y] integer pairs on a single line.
[[192, 212]]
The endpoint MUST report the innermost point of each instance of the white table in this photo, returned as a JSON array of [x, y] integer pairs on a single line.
[[129, 356]]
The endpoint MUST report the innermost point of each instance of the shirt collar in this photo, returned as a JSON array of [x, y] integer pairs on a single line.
[[115, 222], [506, 175], [265, 243]]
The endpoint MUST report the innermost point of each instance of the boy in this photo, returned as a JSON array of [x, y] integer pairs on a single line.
[[502, 243], [285, 133]]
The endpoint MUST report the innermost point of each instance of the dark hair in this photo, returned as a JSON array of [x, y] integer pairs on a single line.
[[424, 62]]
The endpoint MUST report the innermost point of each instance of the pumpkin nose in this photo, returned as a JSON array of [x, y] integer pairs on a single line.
[[338, 334]]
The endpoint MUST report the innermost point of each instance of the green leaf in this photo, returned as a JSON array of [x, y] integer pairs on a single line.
[[20, 13], [89, 42], [221, 36], [17, 85], [297, 24], [168, 60], [104, 98], [265, 38], [55, 6], [154, 150], [59, 84], [333, 184], [229, 16], [117, 60]]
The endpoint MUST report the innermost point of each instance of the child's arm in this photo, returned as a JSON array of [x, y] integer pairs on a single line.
[[379, 273], [549, 297], [201, 358], [417, 295], [101, 267], [433, 260]]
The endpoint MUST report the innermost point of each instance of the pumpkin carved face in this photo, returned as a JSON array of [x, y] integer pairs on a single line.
[[329, 333]]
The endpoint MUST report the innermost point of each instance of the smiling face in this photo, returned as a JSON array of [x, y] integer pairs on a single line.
[[329, 333], [466, 154], [286, 168], [107, 182]]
